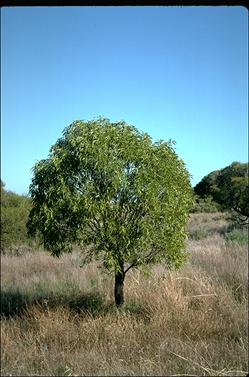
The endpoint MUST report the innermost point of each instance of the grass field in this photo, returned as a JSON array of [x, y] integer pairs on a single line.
[[59, 319]]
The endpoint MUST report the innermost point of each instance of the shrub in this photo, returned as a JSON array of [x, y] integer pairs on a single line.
[[239, 236], [14, 215], [206, 204]]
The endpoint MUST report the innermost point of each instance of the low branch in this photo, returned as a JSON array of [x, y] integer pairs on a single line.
[[147, 259], [132, 265]]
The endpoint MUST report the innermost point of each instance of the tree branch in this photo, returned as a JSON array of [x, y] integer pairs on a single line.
[[147, 258], [127, 269]]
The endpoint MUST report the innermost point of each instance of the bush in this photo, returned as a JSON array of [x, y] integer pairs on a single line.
[[238, 236], [14, 215], [207, 205]]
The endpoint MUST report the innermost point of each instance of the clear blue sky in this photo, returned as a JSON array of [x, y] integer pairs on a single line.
[[177, 73]]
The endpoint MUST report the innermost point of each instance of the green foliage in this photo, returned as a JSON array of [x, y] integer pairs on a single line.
[[108, 186], [228, 187], [206, 204], [14, 215]]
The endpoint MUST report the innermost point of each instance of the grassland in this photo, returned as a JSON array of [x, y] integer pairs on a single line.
[[59, 319]]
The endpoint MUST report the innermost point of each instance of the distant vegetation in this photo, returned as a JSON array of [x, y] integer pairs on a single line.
[[14, 215], [204, 205], [228, 188]]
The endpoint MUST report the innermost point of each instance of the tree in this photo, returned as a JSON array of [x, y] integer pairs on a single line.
[[228, 187], [109, 186], [240, 198]]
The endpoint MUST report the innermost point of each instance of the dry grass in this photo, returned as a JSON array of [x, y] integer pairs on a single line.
[[201, 225], [59, 319]]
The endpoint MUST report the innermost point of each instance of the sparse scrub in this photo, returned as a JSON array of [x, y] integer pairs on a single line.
[[187, 322]]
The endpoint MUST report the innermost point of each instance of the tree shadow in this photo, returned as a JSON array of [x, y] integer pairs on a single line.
[[15, 302]]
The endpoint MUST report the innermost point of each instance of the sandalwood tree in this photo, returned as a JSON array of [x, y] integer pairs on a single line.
[[110, 187]]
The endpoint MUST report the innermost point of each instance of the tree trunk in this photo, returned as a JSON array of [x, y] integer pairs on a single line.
[[119, 287]]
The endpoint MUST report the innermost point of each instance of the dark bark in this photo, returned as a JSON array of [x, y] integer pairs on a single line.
[[119, 285]]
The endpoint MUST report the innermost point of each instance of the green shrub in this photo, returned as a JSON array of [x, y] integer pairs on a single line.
[[14, 215], [238, 236], [207, 205]]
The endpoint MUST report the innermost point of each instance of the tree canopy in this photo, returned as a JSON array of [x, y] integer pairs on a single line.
[[228, 187], [107, 186]]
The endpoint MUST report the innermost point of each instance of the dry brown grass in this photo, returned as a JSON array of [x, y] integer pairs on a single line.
[[59, 319], [203, 224]]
